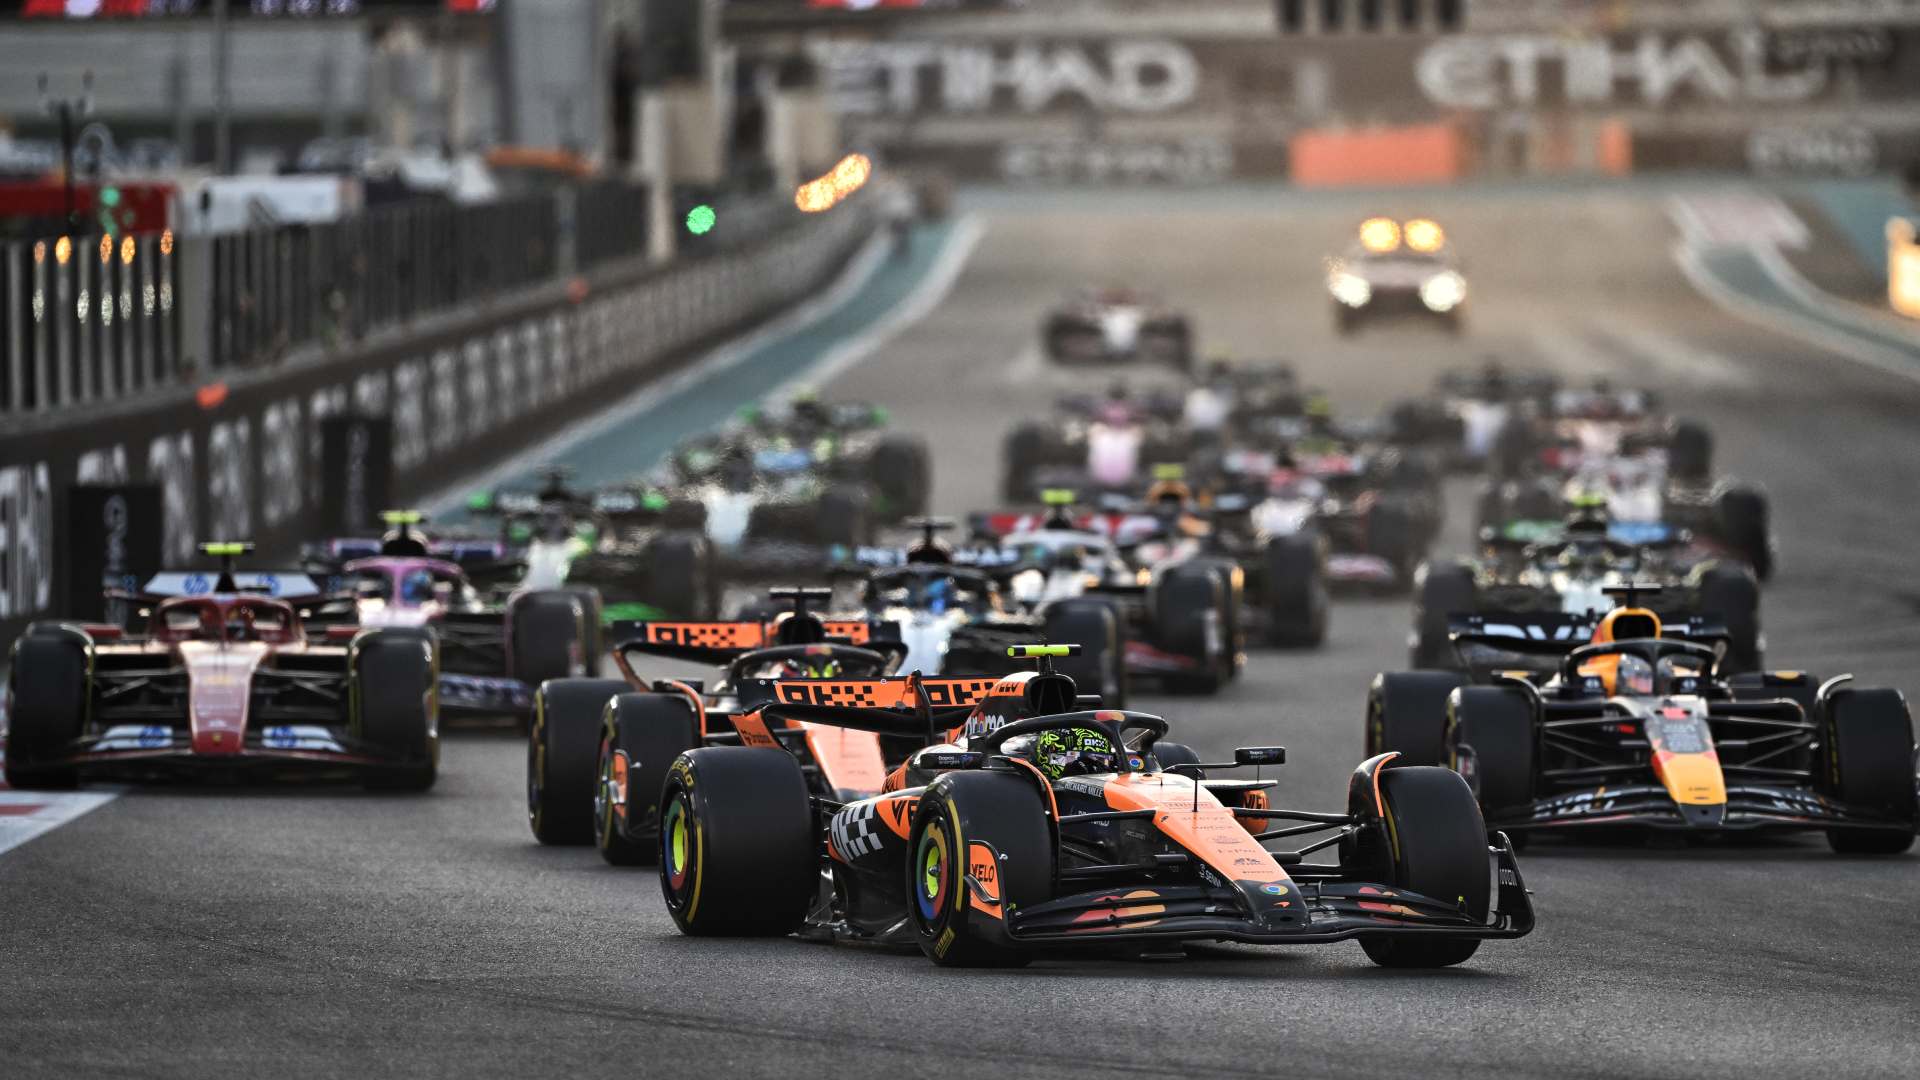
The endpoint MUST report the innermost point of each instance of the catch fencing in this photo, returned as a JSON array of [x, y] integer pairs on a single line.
[[462, 388]]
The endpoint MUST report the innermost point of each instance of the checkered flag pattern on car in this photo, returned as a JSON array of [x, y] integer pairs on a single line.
[[881, 693]]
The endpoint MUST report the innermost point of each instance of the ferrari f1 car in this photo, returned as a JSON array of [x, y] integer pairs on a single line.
[[1111, 325], [496, 645], [225, 682], [1638, 727], [1030, 822], [596, 740], [1397, 269]]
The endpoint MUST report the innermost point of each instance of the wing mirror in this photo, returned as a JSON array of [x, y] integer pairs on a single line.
[[1260, 755]]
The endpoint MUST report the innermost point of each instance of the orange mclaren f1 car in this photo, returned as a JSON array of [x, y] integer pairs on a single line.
[[1030, 822], [600, 748]]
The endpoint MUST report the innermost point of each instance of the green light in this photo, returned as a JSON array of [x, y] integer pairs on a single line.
[[225, 548], [1056, 497], [701, 219], [654, 500], [480, 501], [404, 517], [110, 196]]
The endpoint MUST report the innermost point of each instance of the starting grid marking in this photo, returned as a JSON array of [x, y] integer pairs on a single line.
[[25, 815]]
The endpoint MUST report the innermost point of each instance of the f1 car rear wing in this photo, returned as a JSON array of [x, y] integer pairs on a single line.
[[906, 705], [722, 642], [1552, 633], [280, 584]]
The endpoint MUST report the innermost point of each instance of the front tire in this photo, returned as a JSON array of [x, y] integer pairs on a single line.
[[968, 820], [1872, 767], [1440, 852], [49, 686], [396, 704]]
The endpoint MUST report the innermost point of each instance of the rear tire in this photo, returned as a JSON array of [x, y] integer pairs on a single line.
[[1407, 712], [1690, 452], [1441, 843], [641, 735], [1189, 620], [1024, 450], [738, 843], [1295, 591], [1742, 520], [1440, 590], [961, 809], [50, 687], [1729, 592], [1872, 767], [903, 475], [396, 707], [551, 636], [563, 752], [1101, 667], [1495, 726], [679, 576]]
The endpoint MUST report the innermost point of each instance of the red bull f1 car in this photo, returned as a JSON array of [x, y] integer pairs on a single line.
[[224, 682], [1030, 821], [1635, 726]]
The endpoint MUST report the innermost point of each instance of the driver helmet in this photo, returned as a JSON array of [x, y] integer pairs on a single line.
[[1169, 498], [1065, 752], [416, 586], [809, 667], [808, 409]]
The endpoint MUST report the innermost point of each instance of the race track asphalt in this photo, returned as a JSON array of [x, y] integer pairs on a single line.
[[197, 933]]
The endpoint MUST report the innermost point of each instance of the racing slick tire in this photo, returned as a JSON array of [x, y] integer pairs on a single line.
[[1024, 451], [1440, 590], [1170, 754], [1872, 767], [1742, 522], [680, 575], [49, 687], [1490, 742], [594, 609], [903, 475], [738, 842], [1407, 712], [1729, 592], [1690, 452], [844, 517], [563, 757], [1189, 618], [641, 735], [1394, 534], [395, 708], [1440, 852], [960, 809], [551, 631], [1295, 592], [1101, 667]]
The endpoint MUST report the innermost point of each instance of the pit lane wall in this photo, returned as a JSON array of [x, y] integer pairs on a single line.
[[461, 391]]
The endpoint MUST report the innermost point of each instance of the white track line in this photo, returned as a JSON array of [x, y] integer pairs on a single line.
[[25, 815], [1785, 320], [927, 295]]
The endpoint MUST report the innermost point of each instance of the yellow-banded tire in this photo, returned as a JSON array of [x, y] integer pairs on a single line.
[[739, 845]]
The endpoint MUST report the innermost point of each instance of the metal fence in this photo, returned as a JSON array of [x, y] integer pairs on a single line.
[[86, 319], [96, 318]]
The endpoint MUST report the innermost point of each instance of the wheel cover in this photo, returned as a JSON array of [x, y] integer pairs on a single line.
[[677, 847], [934, 881]]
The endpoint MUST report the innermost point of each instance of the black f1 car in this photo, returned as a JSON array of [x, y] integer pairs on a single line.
[[1037, 823]]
